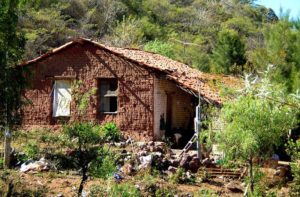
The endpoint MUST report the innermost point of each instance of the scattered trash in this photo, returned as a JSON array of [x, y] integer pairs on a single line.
[[118, 177], [145, 161], [37, 166]]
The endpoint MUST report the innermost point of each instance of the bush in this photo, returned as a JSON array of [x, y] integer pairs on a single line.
[[49, 138], [104, 165], [180, 177], [111, 131], [293, 149], [124, 190], [31, 150]]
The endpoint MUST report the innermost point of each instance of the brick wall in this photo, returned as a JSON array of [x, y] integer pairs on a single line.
[[89, 63], [182, 106]]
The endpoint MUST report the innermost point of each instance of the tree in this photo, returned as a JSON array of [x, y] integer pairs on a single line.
[[160, 47], [256, 122], [229, 53], [12, 79], [281, 48], [86, 138]]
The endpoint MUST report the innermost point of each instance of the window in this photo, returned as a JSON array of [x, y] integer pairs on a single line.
[[62, 98], [108, 95]]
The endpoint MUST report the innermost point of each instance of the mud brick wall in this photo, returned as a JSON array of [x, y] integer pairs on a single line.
[[89, 63]]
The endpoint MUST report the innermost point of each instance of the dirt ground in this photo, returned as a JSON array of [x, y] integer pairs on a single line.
[[66, 184]]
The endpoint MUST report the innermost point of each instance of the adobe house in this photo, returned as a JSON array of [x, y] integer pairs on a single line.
[[147, 95]]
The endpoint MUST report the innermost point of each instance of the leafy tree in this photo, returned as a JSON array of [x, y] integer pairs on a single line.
[[160, 47], [281, 48], [256, 122], [229, 54], [126, 34], [11, 78], [86, 138]]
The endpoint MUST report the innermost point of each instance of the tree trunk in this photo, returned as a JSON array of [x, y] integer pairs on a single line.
[[251, 174], [83, 179], [7, 147]]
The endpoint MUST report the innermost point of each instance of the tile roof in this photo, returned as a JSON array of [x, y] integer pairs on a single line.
[[180, 73]]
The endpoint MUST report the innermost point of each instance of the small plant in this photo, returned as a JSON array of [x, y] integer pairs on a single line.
[[104, 165], [178, 176], [111, 131], [31, 150], [124, 190], [165, 192], [206, 193], [1, 163], [99, 190]]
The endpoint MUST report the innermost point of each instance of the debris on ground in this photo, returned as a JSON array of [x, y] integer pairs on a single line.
[[35, 166]]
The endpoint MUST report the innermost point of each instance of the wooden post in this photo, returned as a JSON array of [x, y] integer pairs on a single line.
[[7, 147], [198, 125]]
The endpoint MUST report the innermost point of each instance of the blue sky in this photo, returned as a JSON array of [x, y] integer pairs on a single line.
[[292, 5]]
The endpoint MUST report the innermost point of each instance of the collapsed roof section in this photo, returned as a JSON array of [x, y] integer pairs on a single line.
[[192, 80]]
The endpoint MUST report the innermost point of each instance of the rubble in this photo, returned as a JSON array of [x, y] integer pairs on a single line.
[[234, 186]]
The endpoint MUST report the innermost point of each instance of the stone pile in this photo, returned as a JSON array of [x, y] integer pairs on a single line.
[[142, 155]]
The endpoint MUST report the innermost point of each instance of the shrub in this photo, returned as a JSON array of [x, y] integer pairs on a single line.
[[104, 165], [31, 150], [49, 138], [111, 131], [124, 190], [293, 149], [178, 176]]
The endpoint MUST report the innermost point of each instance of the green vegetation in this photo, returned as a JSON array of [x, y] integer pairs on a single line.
[[227, 37], [230, 36], [293, 149], [11, 79], [256, 122]]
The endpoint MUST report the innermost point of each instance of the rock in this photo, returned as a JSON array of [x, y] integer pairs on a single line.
[[194, 165], [129, 141], [127, 169], [123, 152], [172, 169], [174, 162], [188, 175], [234, 186], [151, 148], [146, 161], [281, 171], [120, 144], [151, 143], [141, 144], [184, 162], [142, 153], [206, 162], [118, 177], [159, 154], [127, 158], [160, 144]]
